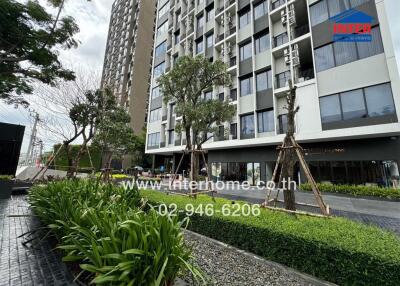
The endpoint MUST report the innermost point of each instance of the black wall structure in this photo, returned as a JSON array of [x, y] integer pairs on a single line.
[[10, 147]]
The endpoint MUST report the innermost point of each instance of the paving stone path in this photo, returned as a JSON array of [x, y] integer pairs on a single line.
[[20, 265]]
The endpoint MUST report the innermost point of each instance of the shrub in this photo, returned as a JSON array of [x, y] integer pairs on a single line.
[[106, 230], [334, 249], [356, 190], [6, 177]]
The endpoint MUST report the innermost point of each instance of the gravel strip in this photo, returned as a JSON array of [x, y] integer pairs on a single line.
[[226, 265]]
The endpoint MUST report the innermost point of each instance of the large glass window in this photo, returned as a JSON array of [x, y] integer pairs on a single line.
[[244, 18], [324, 58], [162, 29], [246, 86], [171, 136], [199, 46], [155, 115], [330, 108], [379, 100], [262, 43], [153, 140], [319, 13], [345, 52], [260, 9], [163, 10], [245, 51], [159, 70], [210, 14], [353, 105], [247, 124], [368, 49], [161, 49], [200, 22], [208, 95], [210, 40], [265, 121], [264, 80], [156, 92], [233, 130]]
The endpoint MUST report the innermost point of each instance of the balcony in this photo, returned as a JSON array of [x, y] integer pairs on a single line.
[[282, 79], [230, 32], [281, 39], [232, 62], [220, 38], [306, 74], [233, 95], [276, 4], [302, 30]]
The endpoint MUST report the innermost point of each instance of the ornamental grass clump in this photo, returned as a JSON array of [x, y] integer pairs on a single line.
[[113, 234]]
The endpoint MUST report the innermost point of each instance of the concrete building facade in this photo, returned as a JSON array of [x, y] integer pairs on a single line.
[[348, 92], [128, 56]]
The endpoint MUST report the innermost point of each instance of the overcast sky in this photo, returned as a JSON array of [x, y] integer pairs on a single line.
[[93, 19]]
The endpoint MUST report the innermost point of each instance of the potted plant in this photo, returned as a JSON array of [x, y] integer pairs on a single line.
[[6, 184]]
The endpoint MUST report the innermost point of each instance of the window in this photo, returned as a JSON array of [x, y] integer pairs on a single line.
[[171, 136], [265, 121], [283, 121], [233, 130], [326, 9], [340, 53], [324, 58], [210, 40], [210, 14], [208, 95], [156, 92], [162, 29], [330, 108], [244, 19], [153, 140], [155, 115], [260, 9], [200, 22], [368, 49], [177, 37], [264, 80], [262, 43], [247, 124], [199, 46], [161, 49], [246, 86], [319, 13], [345, 52], [163, 10], [353, 105], [282, 79], [159, 70], [245, 51], [379, 100], [350, 105], [221, 97]]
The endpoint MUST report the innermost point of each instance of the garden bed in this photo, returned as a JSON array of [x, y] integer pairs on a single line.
[[333, 249], [356, 190]]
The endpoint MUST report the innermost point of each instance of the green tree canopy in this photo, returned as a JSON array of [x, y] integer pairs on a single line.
[[29, 39]]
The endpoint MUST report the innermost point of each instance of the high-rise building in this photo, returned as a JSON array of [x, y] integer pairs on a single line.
[[128, 57], [348, 92]]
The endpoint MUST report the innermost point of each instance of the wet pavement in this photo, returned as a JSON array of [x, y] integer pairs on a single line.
[[35, 264]]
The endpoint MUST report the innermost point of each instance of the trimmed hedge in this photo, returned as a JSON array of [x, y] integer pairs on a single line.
[[334, 249], [356, 190]]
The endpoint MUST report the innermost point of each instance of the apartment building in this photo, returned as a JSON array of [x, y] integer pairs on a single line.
[[348, 92], [128, 56]]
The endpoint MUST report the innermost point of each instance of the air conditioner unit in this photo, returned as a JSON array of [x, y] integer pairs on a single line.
[[286, 56], [283, 17]]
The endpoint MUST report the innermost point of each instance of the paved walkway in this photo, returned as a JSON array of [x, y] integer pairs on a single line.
[[20, 265]]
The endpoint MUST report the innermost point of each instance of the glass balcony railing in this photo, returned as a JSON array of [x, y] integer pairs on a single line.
[[282, 79]]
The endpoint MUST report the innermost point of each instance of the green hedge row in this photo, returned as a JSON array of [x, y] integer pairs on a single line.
[[356, 190], [334, 249]]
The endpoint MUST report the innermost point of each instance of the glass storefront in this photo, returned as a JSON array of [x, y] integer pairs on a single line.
[[236, 172]]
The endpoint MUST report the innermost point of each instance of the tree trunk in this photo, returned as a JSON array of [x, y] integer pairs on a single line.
[[78, 157], [70, 170]]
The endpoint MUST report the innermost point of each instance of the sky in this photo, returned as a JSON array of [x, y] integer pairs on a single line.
[[93, 20]]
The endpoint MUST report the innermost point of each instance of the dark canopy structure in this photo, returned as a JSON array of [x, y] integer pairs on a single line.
[[11, 137]]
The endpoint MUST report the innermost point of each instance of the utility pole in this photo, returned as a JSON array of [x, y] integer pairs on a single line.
[[32, 140]]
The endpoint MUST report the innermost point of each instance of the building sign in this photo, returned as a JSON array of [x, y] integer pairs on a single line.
[[352, 26]]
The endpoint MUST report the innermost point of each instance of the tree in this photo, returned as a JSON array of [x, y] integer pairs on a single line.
[[114, 136], [29, 39], [185, 85]]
